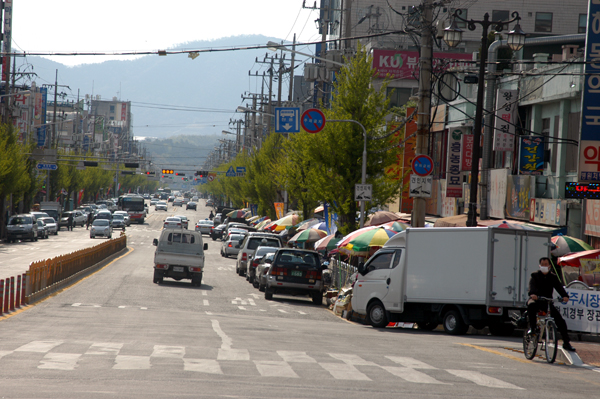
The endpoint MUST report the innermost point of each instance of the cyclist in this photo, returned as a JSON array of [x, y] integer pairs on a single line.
[[211, 216], [542, 283]]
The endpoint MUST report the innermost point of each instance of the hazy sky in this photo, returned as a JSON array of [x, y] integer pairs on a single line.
[[149, 25]]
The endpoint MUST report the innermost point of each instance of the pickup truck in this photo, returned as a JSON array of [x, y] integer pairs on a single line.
[[179, 255]]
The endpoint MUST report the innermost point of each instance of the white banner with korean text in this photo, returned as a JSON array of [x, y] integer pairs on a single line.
[[582, 312], [504, 123]]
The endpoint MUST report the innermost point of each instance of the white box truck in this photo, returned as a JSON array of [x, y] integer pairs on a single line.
[[53, 209], [458, 277]]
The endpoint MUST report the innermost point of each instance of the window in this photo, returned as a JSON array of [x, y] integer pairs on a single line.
[[543, 22], [397, 258], [500, 15], [582, 23], [398, 95], [112, 108], [381, 261]]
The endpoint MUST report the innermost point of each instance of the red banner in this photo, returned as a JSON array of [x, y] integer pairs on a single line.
[[405, 64]]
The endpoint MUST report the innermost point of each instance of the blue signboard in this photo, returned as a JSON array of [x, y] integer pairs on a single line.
[[230, 172], [287, 120], [531, 155], [589, 144], [86, 143]]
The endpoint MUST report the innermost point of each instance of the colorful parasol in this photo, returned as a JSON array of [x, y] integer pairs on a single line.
[[327, 243], [361, 243], [381, 217], [308, 235], [289, 220], [396, 226], [568, 244], [515, 226]]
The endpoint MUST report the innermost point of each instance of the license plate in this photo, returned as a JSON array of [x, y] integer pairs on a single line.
[[177, 268], [296, 273]]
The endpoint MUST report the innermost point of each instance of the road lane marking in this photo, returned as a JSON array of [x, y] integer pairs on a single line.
[[233, 354], [176, 352], [354, 360], [59, 361], [296, 357], [39, 346], [301, 312], [226, 342], [481, 348], [208, 366], [251, 302], [104, 348], [209, 313], [122, 307], [343, 371], [241, 308], [268, 368], [482, 379], [411, 375], [205, 293], [205, 302], [409, 362], [132, 362], [282, 311]]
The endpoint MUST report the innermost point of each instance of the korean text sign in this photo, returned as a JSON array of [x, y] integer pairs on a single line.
[[504, 134], [531, 157], [453, 167], [582, 312], [589, 144]]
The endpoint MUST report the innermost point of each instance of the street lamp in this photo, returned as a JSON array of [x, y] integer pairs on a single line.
[[452, 37]]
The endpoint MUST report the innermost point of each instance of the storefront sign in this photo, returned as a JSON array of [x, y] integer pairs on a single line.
[[467, 152], [582, 190], [589, 143], [405, 64], [531, 155], [504, 133], [497, 192], [592, 218], [453, 164], [278, 209], [582, 311], [548, 211], [518, 195]]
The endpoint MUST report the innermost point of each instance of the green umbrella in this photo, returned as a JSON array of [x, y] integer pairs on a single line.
[[309, 235]]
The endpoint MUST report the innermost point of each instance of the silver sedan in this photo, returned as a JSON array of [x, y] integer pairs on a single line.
[[51, 225], [231, 245]]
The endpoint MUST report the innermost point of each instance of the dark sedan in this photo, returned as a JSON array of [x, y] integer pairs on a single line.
[[217, 232], [190, 205]]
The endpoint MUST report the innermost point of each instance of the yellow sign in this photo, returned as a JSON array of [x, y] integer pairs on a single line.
[[278, 209], [590, 266]]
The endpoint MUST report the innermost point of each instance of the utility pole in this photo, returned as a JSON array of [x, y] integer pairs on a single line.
[[424, 107], [52, 141], [291, 93], [280, 77]]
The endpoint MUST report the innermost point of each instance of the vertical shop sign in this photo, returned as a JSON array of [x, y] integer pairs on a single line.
[[453, 164], [531, 155], [467, 152], [505, 120]]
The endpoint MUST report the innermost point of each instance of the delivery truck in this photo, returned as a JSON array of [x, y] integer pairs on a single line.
[[457, 277], [53, 209]]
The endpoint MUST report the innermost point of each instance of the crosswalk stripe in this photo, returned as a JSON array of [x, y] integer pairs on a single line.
[[168, 351], [343, 371], [410, 362], [233, 354], [104, 348], [59, 361], [482, 379], [205, 302], [123, 362], [412, 375], [295, 357], [209, 366], [268, 368], [354, 360], [38, 346], [4, 353]]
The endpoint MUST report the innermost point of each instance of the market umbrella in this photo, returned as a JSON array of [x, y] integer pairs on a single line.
[[346, 239], [309, 235], [307, 224], [238, 213], [372, 238], [515, 226], [288, 220], [579, 259], [253, 218], [262, 224], [381, 217], [257, 221], [327, 243], [396, 226], [269, 226], [568, 244]]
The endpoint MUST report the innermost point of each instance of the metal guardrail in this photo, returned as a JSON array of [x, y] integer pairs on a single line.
[[342, 274]]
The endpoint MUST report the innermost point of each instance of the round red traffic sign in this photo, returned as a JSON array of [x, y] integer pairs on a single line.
[[422, 165], [313, 120]]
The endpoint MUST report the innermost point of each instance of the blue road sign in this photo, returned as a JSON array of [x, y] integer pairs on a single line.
[[287, 120], [46, 166], [422, 165], [313, 120], [230, 172], [240, 169]]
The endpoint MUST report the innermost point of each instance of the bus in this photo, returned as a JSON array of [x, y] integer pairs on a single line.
[[163, 193], [134, 206]]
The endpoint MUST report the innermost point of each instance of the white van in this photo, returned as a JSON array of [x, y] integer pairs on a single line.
[[179, 255]]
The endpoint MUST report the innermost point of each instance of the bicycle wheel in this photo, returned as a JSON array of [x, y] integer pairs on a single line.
[[551, 342], [530, 344]]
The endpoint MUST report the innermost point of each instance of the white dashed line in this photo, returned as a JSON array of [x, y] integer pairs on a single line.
[[204, 293], [282, 311], [205, 302]]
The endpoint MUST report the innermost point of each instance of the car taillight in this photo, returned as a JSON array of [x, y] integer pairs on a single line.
[[162, 266], [313, 274], [230, 245], [178, 224], [244, 256], [254, 264], [195, 269], [278, 271]]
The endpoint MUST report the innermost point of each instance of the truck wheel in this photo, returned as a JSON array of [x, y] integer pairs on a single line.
[[427, 325], [376, 315], [158, 277], [197, 280], [501, 329], [317, 298], [268, 294], [454, 324], [241, 273]]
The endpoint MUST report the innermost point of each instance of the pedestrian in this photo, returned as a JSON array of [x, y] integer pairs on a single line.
[[211, 216], [70, 222], [89, 221], [543, 283]]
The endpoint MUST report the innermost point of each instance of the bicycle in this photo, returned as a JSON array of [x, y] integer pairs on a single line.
[[547, 329]]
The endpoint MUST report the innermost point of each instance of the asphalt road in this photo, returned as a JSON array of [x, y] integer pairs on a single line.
[[116, 334]]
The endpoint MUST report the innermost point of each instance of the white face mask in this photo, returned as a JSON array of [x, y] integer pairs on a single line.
[[544, 269]]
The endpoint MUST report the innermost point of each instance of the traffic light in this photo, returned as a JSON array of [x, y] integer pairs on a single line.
[[132, 165], [202, 173], [167, 171], [150, 173], [179, 174], [127, 172], [90, 163]]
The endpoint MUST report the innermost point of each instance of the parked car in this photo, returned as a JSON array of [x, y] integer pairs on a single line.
[[160, 206], [125, 216], [217, 232], [173, 222], [184, 220], [21, 226], [249, 245], [191, 205], [231, 245], [260, 280], [101, 227], [42, 230], [118, 221], [295, 272], [253, 262], [177, 202], [205, 226], [51, 225], [218, 219], [39, 215], [179, 255]]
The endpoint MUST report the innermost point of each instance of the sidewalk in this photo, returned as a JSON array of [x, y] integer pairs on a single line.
[[588, 351]]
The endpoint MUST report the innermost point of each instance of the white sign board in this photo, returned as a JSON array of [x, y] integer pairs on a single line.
[[504, 134], [363, 192], [582, 312], [420, 186]]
